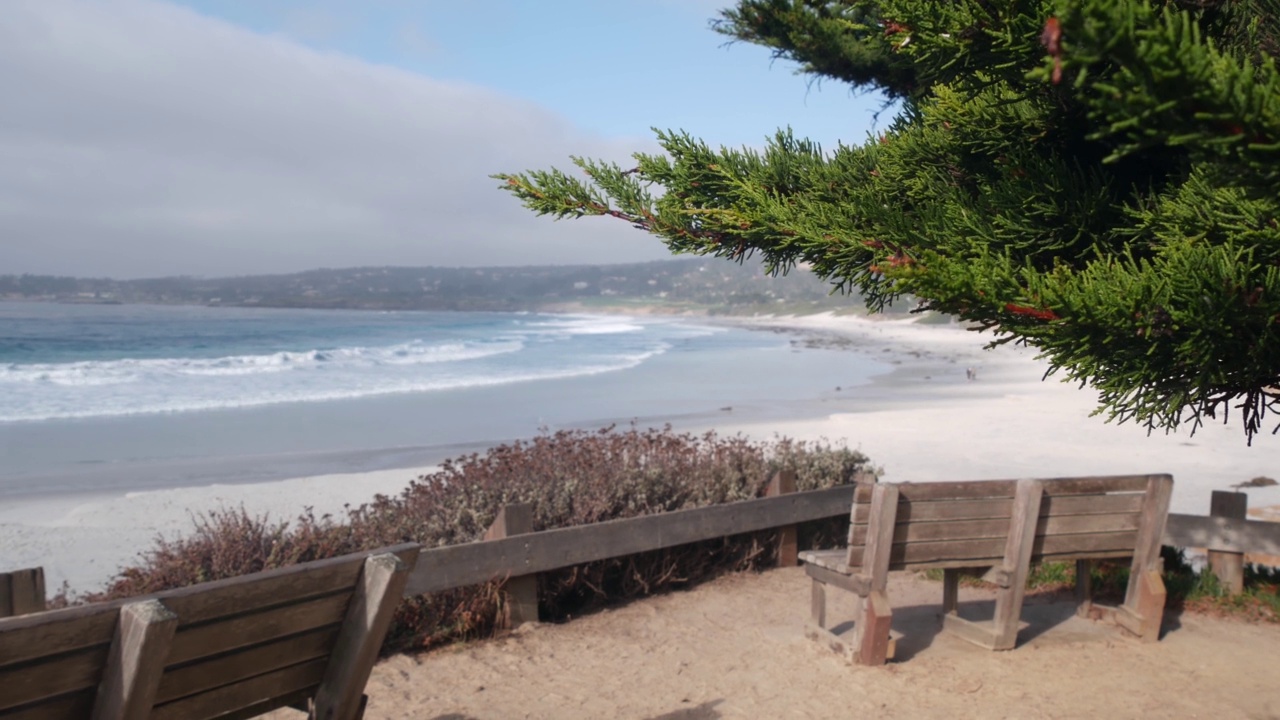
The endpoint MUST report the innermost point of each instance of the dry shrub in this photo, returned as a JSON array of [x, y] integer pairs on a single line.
[[569, 478]]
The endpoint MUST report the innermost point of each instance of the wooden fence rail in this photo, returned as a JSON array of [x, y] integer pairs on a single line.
[[455, 566]]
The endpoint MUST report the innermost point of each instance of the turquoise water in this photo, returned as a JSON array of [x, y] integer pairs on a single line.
[[96, 397]]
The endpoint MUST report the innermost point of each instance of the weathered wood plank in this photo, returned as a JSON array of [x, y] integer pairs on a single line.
[[233, 596], [879, 547], [857, 583], [67, 673], [969, 489], [1228, 566], [22, 592], [75, 706], [28, 637], [202, 676], [1017, 560], [254, 628], [135, 662], [231, 698], [1052, 506], [56, 631], [378, 593], [967, 553], [1225, 534], [999, 528], [460, 565]]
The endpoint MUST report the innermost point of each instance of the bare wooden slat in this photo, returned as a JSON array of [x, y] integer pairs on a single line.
[[22, 592], [297, 700], [75, 706], [979, 529], [1017, 560], [377, 595], [1226, 534], [968, 553], [879, 547], [231, 698], [1108, 504], [1005, 488], [135, 662], [205, 675], [473, 563], [28, 637], [31, 636], [79, 670], [208, 601], [245, 630], [856, 583]]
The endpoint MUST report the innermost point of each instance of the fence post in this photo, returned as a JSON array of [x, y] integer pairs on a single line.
[[521, 591], [1228, 566], [788, 553], [22, 592]]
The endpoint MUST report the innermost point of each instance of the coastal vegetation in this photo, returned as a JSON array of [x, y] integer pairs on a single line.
[[569, 478], [1095, 178]]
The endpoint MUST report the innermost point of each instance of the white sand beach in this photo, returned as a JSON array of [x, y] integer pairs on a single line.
[[923, 421]]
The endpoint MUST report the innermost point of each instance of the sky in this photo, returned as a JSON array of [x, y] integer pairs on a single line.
[[141, 138]]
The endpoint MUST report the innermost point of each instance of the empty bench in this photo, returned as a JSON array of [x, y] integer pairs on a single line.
[[304, 636], [1001, 526]]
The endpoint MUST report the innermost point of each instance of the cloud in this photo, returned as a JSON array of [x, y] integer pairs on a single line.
[[139, 138]]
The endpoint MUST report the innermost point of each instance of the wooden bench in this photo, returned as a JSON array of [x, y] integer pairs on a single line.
[[1004, 525], [304, 636]]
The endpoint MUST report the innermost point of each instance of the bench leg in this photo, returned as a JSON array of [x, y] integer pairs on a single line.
[[1150, 605], [1084, 587], [872, 631], [950, 591], [818, 604]]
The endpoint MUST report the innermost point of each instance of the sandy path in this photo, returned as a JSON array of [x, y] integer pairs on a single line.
[[734, 648]]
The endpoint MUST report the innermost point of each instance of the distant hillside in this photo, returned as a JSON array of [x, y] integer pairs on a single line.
[[679, 285]]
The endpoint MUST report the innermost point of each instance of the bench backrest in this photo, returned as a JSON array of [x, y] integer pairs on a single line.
[[243, 645], [967, 524]]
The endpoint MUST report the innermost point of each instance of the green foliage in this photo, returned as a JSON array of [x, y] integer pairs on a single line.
[[570, 478], [1099, 179]]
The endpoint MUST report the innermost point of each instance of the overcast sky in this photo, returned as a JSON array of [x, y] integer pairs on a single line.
[[213, 137]]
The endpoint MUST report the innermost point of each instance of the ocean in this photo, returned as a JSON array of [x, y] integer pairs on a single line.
[[111, 398]]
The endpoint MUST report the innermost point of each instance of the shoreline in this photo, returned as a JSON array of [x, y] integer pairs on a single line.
[[920, 420]]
